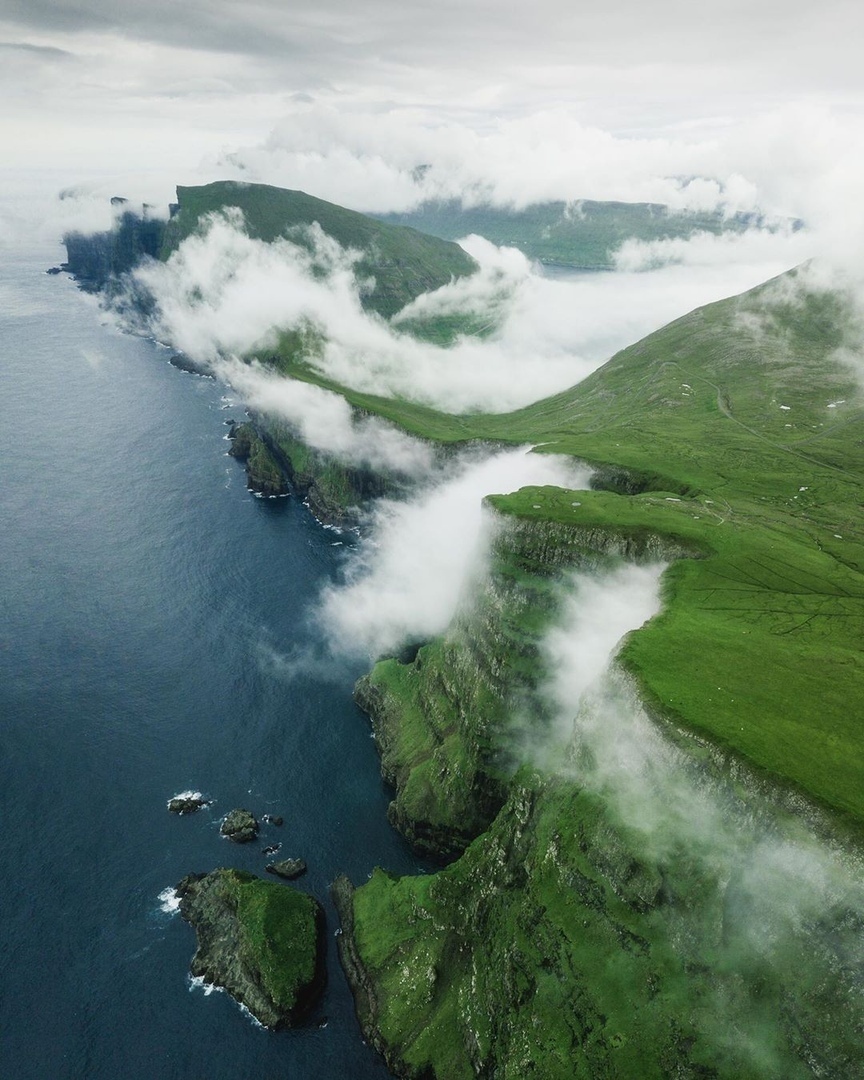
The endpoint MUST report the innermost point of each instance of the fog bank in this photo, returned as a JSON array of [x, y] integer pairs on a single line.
[[404, 582], [224, 294]]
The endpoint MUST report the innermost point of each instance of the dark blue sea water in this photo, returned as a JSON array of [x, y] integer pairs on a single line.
[[143, 596]]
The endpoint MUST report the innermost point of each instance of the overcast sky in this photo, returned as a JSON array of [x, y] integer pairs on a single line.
[[752, 104]]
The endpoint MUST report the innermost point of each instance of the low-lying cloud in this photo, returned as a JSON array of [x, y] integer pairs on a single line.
[[326, 422], [769, 889], [225, 294], [403, 584]]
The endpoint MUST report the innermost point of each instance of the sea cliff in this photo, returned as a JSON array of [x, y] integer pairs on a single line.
[[570, 937]]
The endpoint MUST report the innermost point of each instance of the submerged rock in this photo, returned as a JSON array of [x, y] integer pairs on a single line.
[[261, 941], [273, 820], [187, 802], [239, 826], [287, 868]]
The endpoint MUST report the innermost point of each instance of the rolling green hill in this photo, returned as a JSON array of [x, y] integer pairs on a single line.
[[581, 234], [738, 427], [403, 261]]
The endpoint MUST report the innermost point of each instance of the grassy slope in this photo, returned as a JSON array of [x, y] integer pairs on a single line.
[[280, 927], [403, 262], [557, 946], [580, 234], [759, 645]]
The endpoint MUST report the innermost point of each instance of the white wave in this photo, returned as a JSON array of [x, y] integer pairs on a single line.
[[197, 982], [187, 795], [169, 901]]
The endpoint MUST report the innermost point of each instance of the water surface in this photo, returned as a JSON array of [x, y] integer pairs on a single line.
[[147, 599]]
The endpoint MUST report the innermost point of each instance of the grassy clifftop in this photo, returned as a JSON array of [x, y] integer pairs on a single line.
[[403, 261], [741, 427]]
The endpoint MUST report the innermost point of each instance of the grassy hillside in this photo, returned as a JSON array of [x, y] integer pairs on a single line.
[[746, 432], [403, 262], [565, 942], [580, 234]]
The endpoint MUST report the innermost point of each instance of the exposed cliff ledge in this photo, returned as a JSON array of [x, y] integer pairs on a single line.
[[260, 941]]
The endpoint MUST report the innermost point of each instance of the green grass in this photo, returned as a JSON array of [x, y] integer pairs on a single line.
[[582, 234], [403, 262], [447, 723], [280, 930], [775, 617], [558, 947]]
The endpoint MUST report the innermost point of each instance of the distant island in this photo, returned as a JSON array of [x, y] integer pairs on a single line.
[[554, 942]]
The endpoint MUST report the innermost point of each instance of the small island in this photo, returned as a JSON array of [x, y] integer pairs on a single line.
[[261, 941]]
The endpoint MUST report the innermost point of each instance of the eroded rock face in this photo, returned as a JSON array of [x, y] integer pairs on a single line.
[[261, 941], [264, 474], [239, 826]]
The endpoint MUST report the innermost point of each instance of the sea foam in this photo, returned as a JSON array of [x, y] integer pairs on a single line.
[[169, 901]]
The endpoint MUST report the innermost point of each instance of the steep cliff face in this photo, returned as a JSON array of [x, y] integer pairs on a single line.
[[561, 946], [586, 930], [276, 461], [97, 260], [263, 472], [334, 490], [446, 724]]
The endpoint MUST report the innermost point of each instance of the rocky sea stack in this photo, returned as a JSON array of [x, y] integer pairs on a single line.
[[187, 802], [287, 868], [260, 941], [239, 826]]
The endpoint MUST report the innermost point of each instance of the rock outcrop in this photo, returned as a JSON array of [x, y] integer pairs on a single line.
[[287, 868], [264, 475], [187, 802], [261, 941], [239, 826]]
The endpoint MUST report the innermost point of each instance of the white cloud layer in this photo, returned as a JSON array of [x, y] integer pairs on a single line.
[[224, 294], [405, 581], [325, 421]]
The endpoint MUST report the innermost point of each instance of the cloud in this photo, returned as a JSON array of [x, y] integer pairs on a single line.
[[760, 247], [404, 583], [542, 47], [325, 421], [523, 106], [45, 52], [224, 294]]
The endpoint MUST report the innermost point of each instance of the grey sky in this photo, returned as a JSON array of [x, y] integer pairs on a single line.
[[521, 100]]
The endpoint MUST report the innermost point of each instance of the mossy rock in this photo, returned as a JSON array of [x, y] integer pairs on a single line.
[[261, 941]]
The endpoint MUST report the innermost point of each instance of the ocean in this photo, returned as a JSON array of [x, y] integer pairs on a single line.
[[149, 607]]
